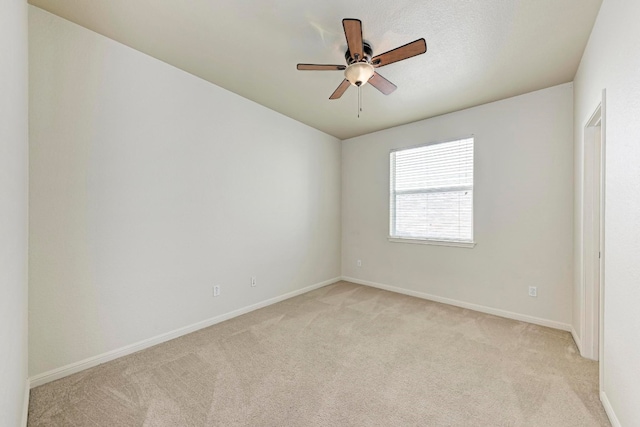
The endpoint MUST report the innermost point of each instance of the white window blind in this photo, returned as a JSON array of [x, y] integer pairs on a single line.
[[432, 192]]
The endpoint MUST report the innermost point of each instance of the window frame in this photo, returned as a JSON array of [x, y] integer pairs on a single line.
[[392, 207]]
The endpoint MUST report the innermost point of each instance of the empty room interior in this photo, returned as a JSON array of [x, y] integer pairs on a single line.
[[338, 213]]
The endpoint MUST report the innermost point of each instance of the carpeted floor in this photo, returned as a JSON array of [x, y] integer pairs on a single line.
[[342, 355]]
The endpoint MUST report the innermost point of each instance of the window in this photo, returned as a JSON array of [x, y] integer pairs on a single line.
[[432, 193]]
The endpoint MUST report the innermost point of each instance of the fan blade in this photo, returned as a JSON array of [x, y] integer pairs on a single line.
[[340, 90], [382, 84], [353, 34], [318, 67], [409, 50]]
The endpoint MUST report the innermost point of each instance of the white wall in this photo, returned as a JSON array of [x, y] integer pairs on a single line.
[[149, 185], [523, 208], [611, 61], [14, 166]]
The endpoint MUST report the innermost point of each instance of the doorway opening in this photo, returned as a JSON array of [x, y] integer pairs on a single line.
[[593, 236]]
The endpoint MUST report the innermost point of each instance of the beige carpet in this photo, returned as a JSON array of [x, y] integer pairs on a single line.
[[343, 355]]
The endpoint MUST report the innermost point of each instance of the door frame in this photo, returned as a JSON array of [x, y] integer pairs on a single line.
[[592, 318]]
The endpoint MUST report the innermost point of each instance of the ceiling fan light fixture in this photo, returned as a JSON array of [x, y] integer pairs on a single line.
[[359, 73]]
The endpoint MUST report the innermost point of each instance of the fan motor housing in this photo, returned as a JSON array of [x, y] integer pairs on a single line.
[[368, 52]]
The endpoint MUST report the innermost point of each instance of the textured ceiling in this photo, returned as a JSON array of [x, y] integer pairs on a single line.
[[478, 51]]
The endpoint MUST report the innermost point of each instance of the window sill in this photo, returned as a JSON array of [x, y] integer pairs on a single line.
[[469, 245]]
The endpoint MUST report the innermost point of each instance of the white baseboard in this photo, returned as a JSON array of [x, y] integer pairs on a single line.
[[609, 410], [90, 362], [475, 307], [25, 403], [576, 338]]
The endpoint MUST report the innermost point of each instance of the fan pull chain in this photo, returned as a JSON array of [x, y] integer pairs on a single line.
[[359, 100]]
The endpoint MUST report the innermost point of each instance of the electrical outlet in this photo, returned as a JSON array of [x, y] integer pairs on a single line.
[[216, 291], [359, 263], [253, 281], [533, 291]]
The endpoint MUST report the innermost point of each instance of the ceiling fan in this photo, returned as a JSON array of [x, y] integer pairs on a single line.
[[361, 66]]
